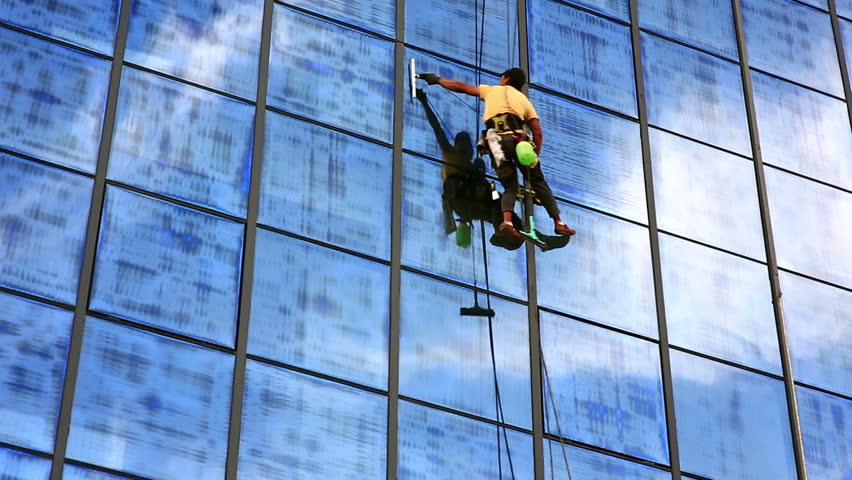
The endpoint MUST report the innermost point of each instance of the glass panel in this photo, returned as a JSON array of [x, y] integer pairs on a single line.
[[719, 304], [823, 4], [21, 466], [182, 141], [43, 216], [695, 94], [844, 7], [214, 43], [793, 41], [442, 446], [619, 9], [425, 246], [603, 275], [168, 266], [599, 65], [827, 434], [798, 205], [141, 396], [819, 323], [731, 423], [587, 465], [296, 427], [453, 28], [447, 359], [88, 23], [53, 100], [321, 310], [331, 74], [73, 472], [803, 131], [701, 192], [34, 341], [592, 157], [340, 194], [708, 24], [607, 388], [846, 35], [376, 15]]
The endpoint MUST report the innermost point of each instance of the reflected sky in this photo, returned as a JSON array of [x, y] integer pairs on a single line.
[[707, 24], [376, 15], [212, 42], [88, 23], [43, 216], [53, 100], [445, 358], [844, 8], [599, 65], [718, 304], [731, 424], [827, 434], [801, 206], [588, 465], [21, 466], [819, 325], [607, 388], [619, 9], [34, 341], [73, 472]]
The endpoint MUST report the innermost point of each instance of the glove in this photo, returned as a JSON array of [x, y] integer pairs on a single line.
[[430, 78]]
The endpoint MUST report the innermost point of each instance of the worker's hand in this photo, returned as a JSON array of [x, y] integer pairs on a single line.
[[430, 78], [420, 94]]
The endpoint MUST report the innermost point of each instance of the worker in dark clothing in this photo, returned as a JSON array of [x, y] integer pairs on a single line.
[[508, 112]]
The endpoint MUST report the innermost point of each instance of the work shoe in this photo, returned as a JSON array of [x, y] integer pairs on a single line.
[[511, 233], [562, 229]]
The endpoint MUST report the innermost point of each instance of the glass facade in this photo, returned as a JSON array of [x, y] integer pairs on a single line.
[[224, 252]]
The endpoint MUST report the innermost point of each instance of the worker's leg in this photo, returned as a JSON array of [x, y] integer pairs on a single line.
[[545, 195]]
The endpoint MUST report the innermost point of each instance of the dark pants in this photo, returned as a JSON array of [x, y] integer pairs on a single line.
[[508, 175]]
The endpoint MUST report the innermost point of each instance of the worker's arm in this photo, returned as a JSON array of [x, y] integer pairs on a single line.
[[538, 138], [453, 85]]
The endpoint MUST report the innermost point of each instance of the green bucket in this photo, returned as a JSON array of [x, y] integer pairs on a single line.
[[463, 235], [526, 153]]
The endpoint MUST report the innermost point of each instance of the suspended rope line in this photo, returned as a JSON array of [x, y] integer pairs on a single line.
[[555, 413]]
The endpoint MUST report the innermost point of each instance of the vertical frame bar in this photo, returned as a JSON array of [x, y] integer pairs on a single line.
[[841, 55], [400, 86], [536, 393], [92, 231], [249, 245], [653, 235], [771, 259]]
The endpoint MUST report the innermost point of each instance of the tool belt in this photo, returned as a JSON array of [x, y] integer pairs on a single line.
[[505, 122]]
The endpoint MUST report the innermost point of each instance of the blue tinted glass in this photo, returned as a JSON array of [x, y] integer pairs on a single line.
[[731, 423], [846, 35], [331, 74], [598, 66], [844, 8], [719, 304], [708, 24], [168, 266], [436, 445], [592, 157], [34, 342], [819, 324], [695, 94], [701, 191], [88, 23], [337, 190], [425, 246], [319, 309], [619, 9], [793, 41], [798, 205], [212, 42], [603, 275], [453, 28], [53, 100], [454, 113], [182, 141], [607, 388], [827, 434], [296, 427], [21, 466], [587, 465], [141, 396], [447, 359], [73, 472], [377, 15], [803, 131], [43, 216]]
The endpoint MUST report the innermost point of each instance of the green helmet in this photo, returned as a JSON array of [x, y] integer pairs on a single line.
[[526, 153]]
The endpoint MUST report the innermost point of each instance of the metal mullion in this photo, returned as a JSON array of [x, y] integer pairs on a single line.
[[771, 259], [401, 87], [88, 263], [58, 41], [841, 56], [463, 414], [249, 247], [654, 239]]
